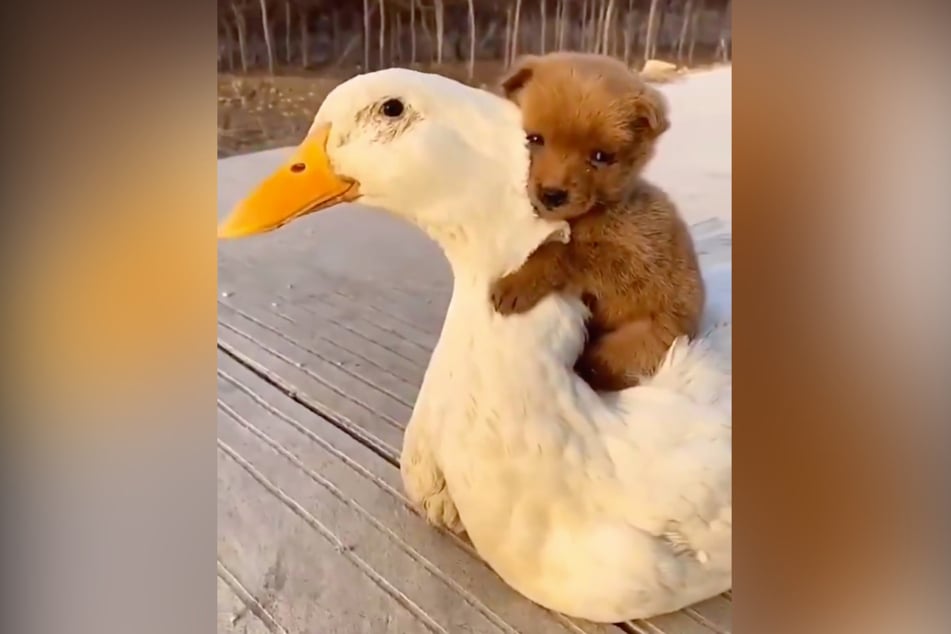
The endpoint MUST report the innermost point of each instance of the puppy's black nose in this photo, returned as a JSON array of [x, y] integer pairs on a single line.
[[552, 198]]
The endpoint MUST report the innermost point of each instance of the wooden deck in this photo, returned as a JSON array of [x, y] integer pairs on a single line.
[[324, 332]]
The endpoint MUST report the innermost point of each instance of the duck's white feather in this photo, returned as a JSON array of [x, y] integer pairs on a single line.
[[606, 507]]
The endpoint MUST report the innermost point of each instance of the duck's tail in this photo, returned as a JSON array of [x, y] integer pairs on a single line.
[[700, 369]]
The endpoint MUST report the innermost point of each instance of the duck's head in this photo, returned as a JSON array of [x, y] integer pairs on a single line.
[[449, 158]]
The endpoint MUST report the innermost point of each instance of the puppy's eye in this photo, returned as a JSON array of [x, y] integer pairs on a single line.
[[535, 139], [392, 108], [600, 157]]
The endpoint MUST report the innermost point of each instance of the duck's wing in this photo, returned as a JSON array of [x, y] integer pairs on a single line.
[[671, 473], [672, 456]]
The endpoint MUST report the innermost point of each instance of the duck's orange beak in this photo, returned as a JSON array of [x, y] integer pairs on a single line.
[[304, 184]]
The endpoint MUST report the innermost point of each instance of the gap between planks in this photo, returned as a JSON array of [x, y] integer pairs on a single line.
[[351, 429]]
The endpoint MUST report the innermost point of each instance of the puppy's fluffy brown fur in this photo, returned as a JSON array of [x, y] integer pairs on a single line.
[[592, 125]]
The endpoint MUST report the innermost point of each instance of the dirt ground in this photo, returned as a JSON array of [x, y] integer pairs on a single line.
[[258, 112]]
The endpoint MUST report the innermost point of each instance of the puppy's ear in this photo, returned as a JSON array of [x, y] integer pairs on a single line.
[[517, 76], [648, 113]]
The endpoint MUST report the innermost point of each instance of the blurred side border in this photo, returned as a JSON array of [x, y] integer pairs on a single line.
[[840, 264]]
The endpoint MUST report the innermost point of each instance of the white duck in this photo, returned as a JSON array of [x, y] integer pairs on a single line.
[[604, 507]]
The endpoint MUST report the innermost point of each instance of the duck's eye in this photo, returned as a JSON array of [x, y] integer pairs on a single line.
[[392, 108], [600, 157], [535, 139]]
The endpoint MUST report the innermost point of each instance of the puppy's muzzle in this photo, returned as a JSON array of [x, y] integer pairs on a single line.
[[551, 197]]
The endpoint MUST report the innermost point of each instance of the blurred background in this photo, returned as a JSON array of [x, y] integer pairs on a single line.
[[277, 59]]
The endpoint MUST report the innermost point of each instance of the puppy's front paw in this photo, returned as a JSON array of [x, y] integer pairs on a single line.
[[510, 296], [588, 372]]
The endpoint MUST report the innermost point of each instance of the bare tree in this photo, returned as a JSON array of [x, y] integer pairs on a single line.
[[382, 31], [472, 39], [440, 28], [594, 26], [591, 28], [629, 29], [334, 33], [651, 34], [565, 17], [267, 37], [242, 27], [723, 46], [423, 22], [508, 36], [599, 28], [581, 19], [412, 31], [659, 30], [396, 41], [682, 38], [366, 35], [608, 23], [625, 20], [304, 41], [229, 44], [518, 10], [287, 32], [693, 31], [544, 24], [560, 25]]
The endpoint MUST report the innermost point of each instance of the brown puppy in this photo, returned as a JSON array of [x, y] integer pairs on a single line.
[[592, 125]]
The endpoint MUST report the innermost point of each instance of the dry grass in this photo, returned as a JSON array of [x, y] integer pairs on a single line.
[[256, 113]]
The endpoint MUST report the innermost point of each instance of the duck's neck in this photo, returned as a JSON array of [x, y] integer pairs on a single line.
[[497, 238], [494, 380], [506, 359], [494, 244]]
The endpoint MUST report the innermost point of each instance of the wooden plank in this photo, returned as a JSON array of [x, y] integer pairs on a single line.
[[363, 322], [450, 583], [400, 316], [415, 317], [358, 419], [298, 574], [334, 342], [351, 543], [420, 308], [716, 613], [335, 381], [238, 384], [362, 335], [331, 372], [233, 615], [674, 623], [407, 277]]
